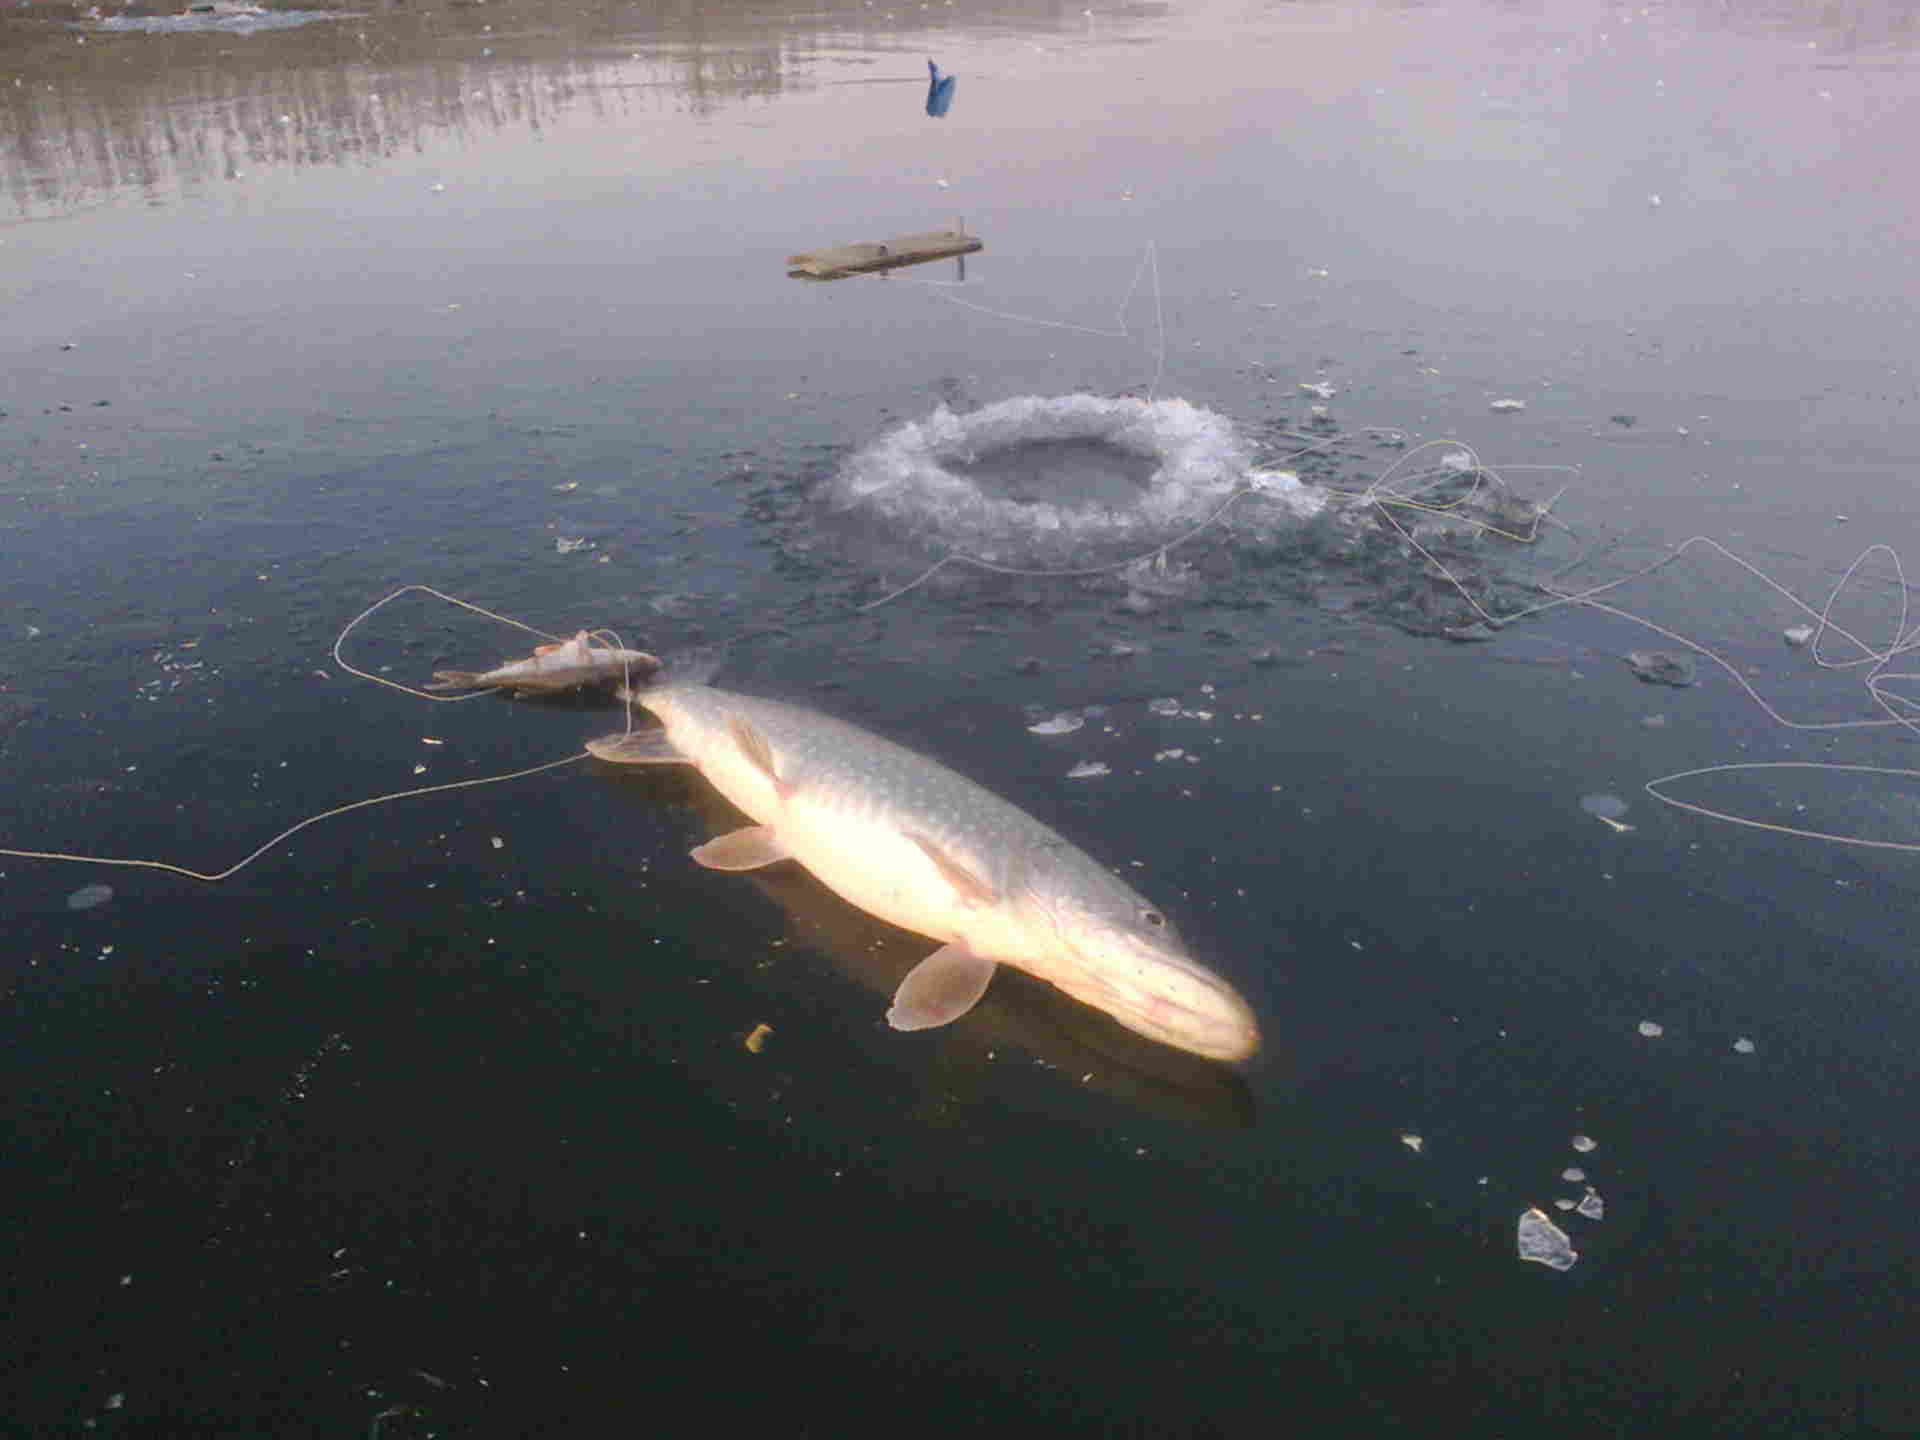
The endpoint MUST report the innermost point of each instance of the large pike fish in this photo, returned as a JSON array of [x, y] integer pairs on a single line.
[[907, 839]]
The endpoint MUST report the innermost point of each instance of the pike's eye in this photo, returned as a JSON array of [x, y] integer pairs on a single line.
[[1153, 919]]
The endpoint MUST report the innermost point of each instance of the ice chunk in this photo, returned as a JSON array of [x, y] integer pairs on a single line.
[[1506, 407], [88, 897], [1065, 723], [1544, 1242], [1662, 667], [1584, 1143], [1652, 1029], [1744, 1045], [1591, 1205], [1088, 770]]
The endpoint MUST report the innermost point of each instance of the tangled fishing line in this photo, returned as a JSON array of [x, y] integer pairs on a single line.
[[373, 800], [1394, 497]]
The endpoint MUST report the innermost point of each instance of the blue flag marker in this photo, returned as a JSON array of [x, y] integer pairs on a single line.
[[939, 91]]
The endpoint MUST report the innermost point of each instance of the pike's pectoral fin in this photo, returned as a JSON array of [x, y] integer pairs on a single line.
[[759, 754], [753, 745], [940, 989], [638, 747], [745, 849], [971, 889]]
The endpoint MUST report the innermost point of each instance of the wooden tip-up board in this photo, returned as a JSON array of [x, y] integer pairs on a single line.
[[841, 261]]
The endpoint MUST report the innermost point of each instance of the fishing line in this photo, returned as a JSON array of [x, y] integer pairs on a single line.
[[1398, 488], [1909, 847], [1149, 265], [213, 877], [352, 624], [1393, 495], [295, 829], [1401, 488], [1375, 494], [1900, 710], [1405, 489]]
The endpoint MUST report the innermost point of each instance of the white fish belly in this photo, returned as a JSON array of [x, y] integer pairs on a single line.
[[871, 865]]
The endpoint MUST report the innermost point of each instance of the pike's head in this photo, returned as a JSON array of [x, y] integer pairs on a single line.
[[1118, 952]]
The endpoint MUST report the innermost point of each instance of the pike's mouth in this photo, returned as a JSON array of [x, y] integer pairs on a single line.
[[1215, 1023]]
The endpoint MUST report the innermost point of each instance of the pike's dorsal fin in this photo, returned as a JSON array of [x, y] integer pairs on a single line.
[[562, 647], [940, 989], [971, 889], [747, 848], [754, 746], [638, 747]]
